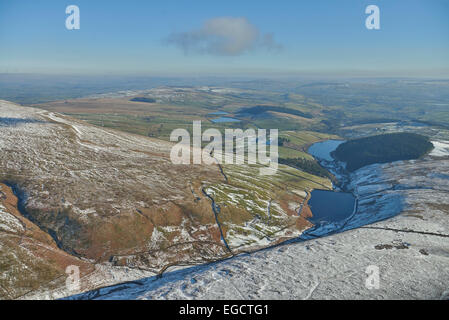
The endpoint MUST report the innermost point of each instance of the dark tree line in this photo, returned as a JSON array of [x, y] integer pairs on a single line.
[[309, 166], [383, 148], [143, 99]]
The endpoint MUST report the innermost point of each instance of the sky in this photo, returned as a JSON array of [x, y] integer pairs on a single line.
[[210, 37]]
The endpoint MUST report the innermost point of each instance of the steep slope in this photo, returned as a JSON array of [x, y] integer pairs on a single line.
[[101, 193], [115, 199], [29, 258]]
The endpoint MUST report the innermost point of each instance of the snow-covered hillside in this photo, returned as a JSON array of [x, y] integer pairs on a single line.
[[115, 202], [410, 250]]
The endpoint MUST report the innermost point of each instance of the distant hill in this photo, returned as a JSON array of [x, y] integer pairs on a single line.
[[261, 109], [383, 148]]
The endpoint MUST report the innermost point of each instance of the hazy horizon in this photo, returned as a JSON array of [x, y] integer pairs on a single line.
[[288, 38]]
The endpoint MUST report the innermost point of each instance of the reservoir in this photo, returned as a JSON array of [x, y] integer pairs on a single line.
[[330, 206], [322, 150], [224, 120]]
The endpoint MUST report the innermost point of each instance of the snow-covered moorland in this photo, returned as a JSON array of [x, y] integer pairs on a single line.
[[410, 249], [114, 203]]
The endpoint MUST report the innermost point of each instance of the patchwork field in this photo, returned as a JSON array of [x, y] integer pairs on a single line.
[[176, 107]]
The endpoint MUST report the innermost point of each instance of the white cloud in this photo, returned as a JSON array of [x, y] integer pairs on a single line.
[[226, 36]]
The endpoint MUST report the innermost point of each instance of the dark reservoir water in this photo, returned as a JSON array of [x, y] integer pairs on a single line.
[[330, 206]]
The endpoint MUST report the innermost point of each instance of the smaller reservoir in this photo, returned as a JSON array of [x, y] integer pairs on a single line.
[[329, 206]]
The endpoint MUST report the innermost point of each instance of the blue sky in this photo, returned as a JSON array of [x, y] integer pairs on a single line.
[[266, 37]]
